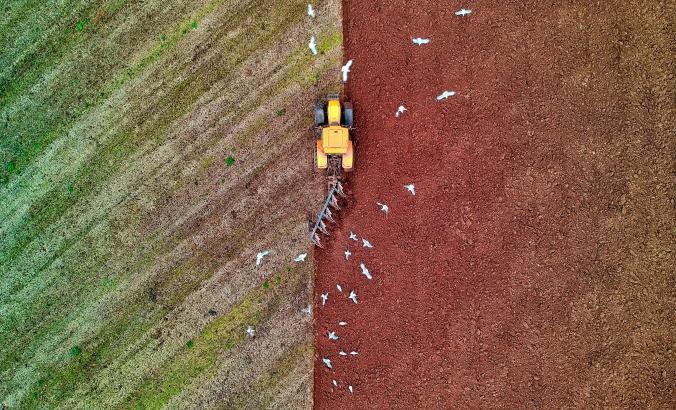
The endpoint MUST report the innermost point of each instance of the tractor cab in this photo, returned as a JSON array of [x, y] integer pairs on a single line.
[[335, 150]]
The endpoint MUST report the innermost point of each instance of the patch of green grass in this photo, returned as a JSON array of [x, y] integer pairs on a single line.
[[82, 24], [266, 285], [189, 344], [330, 41], [75, 351], [303, 68], [207, 162], [10, 167], [254, 129], [229, 161], [114, 6], [280, 113], [263, 393], [220, 336]]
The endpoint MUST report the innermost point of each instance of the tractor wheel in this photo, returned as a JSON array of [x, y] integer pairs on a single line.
[[319, 115], [347, 115]]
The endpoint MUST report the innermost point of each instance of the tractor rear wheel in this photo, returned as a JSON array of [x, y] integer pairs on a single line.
[[347, 115]]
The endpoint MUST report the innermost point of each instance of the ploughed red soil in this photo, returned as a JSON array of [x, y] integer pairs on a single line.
[[532, 269]]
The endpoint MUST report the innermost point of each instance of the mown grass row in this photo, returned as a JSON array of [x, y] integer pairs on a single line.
[[55, 295]]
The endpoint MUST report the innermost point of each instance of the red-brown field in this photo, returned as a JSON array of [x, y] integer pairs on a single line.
[[532, 267]]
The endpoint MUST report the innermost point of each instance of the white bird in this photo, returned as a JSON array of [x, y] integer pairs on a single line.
[[251, 331], [342, 353], [462, 12], [445, 95], [335, 383], [346, 69], [327, 363], [347, 254], [353, 236], [350, 389], [260, 256], [410, 188], [365, 271], [366, 243], [383, 207], [400, 111], [332, 336], [308, 310], [325, 297], [353, 296], [313, 45], [342, 323], [353, 353], [340, 289], [420, 41], [301, 257], [310, 10]]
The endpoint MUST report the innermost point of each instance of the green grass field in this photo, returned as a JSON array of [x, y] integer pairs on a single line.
[[148, 150]]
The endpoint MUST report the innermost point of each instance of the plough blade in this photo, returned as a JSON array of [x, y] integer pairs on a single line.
[[334, 203], [329, 215], [339, 189], [322, 228], [315, 240]]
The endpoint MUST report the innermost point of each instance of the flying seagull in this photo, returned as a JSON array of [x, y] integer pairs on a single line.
[[353, 236], [332, 336], [347, 254], [353, 296], [346, 69], [462, 12], [350, 388], [420, 41], [340, 289], [327, 363], [400, 111], [335, 383], [342, 353], [445, 95], [260, 256], [325, 297], [365, 271], [310, 10], [353, 353], [250, 331], [342, 323], [301, 257], [366, 243], [383, 207], [313, 45], [410, 188]]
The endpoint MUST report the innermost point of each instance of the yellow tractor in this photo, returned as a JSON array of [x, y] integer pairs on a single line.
[[335, 148], [335, 153]]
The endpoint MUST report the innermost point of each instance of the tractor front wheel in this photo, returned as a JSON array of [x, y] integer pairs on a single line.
[[320, 118], [347, 115]]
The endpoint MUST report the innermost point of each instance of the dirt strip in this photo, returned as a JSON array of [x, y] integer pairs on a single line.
[[532, 269]]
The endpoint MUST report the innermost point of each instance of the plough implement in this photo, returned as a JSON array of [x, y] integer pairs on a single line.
[[325, 214]]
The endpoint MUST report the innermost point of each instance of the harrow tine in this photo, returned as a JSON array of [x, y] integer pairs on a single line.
[[339, 189], [316, 241], [322, 228], [334, 203], [329, 215]]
